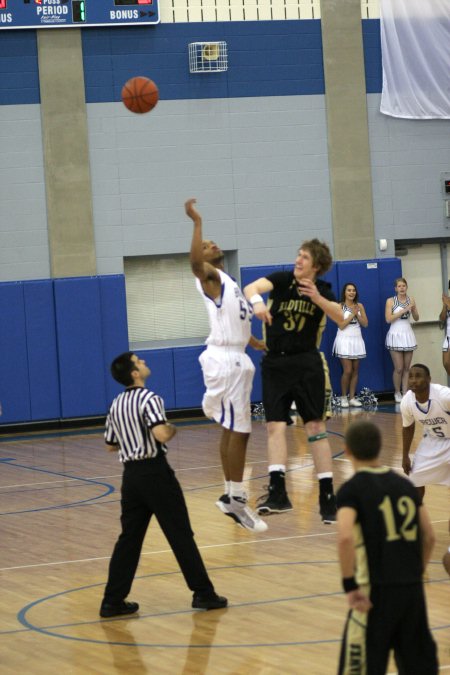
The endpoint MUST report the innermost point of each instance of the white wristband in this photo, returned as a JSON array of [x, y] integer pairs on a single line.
[[256, 298]]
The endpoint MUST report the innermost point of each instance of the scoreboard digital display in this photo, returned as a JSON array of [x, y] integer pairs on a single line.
[[76, 13]]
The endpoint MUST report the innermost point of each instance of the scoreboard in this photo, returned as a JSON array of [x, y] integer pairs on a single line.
[[76, 13]]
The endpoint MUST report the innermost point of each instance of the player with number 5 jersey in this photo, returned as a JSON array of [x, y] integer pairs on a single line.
[[428, 405], [227, 370]]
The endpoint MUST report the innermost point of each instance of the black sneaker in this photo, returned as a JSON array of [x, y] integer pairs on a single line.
[[275, 501], [208, 601], [124, 607], [328, 510]]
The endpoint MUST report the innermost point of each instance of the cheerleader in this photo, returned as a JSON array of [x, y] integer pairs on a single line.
[[400, 338], [349, 345], [444, 318]]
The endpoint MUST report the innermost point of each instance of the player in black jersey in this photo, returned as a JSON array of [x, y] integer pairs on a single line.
[[294, 370], [385, 539]]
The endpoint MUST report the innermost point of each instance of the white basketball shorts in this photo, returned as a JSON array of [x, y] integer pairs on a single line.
[[431, 463], [228, 377]]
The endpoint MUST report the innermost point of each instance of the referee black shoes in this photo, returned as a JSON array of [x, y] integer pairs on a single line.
[[208, 601], [121, 608]]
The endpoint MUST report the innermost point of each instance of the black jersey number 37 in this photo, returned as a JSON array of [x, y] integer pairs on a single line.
[[294, 321]]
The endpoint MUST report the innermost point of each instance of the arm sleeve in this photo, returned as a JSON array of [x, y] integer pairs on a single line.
[[346, 497], [280, 279], [110, 436], [444, 399], [407, 416], [154, 412]]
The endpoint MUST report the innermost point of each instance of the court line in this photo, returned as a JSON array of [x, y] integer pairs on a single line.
[[202, 548], [49, 630]]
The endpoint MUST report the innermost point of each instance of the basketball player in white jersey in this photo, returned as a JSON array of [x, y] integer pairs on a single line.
[[227, 370], [429, 405]]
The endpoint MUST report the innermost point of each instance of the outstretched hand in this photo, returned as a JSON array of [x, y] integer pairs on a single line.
[[190, 209], [309, 288], [261, 312]]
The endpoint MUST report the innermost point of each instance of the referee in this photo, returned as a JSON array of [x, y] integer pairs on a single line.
[[137, 427]]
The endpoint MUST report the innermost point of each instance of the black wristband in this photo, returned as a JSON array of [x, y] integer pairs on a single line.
[[349, 584]]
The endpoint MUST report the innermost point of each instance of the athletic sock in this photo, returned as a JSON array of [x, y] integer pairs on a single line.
[[326, 486], [237, 489], [277, 480]]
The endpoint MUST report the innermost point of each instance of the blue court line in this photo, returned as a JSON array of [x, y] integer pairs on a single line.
[[49, 630], [109, 489], [43, 435]]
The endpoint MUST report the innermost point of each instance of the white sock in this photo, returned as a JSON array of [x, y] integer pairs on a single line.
[[277, 467], [326, 474], [237, 489], [226, 486]]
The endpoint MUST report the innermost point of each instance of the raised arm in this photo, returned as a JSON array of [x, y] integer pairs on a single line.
[[253, 294], [204, 271], [332, 309]]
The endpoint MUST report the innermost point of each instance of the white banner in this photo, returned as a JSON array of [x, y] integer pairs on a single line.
[[415, 49]]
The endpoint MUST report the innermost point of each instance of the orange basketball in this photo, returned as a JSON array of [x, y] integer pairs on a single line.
[[140, 94]]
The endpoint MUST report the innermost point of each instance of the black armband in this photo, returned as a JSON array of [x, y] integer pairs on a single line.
[[349, 584]]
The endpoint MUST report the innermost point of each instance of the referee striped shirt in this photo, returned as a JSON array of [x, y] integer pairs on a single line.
[[129, 422]]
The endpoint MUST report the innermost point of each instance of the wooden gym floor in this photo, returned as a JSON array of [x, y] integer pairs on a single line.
[[59, 518]]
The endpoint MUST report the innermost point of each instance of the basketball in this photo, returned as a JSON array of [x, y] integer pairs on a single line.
[[140, 94]]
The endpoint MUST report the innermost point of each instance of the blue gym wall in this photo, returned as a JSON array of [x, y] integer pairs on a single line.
[[250, 143]]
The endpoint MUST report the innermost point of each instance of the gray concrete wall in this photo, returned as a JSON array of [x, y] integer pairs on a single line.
[[65, 152]]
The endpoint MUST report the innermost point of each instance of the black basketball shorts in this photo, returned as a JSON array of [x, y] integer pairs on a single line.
[[303, 378]]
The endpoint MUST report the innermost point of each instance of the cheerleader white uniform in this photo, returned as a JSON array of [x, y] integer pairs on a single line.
[[349, 343], [446, 343], [431, 463], [400, 336]]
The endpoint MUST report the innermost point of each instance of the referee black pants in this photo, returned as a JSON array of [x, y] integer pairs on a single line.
[[150, 487]]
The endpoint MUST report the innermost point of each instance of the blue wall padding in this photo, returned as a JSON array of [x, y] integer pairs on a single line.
[[369, 275], [14, 386], [189, 387], [42, 350], [326, 344], [248, 275], [162, 377], [372, 55], [114, 326], [80, 346], [266, 58]]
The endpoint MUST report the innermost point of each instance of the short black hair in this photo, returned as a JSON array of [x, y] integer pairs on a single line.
[[363, 439], [122, 367], [421, 365]]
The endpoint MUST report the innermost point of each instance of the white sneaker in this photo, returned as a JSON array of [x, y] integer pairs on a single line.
[[398, 397], [355, 403], [244, 516], [344, 402]]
